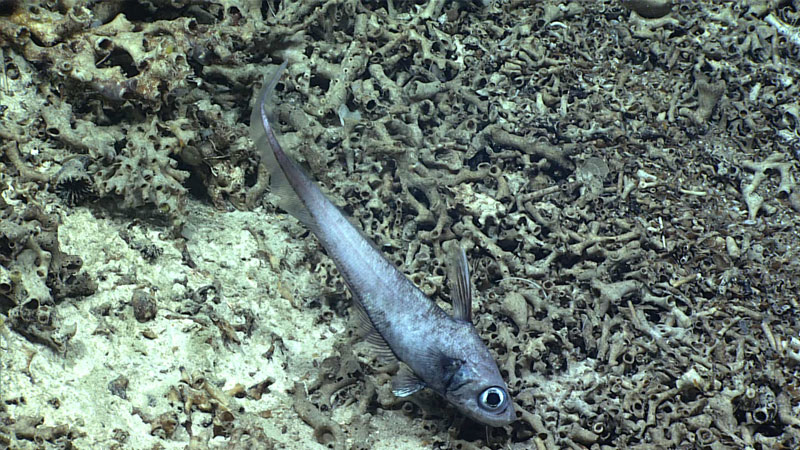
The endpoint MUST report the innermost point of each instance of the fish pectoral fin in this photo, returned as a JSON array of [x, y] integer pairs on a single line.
[[460, 291], [406, 383], [380, 347], [369, 333]]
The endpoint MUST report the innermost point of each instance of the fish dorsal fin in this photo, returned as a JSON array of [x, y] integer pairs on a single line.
[[406, 383], [460, 290], [367, 332]]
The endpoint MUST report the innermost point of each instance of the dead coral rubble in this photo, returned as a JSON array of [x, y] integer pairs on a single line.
[[122, 70], [622, 175], [35, 274], [583, 171]]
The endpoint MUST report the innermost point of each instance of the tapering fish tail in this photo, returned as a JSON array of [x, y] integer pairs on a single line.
[[287, 180]]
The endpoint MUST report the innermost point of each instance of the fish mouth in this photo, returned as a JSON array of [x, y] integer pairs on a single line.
[[496, 419], [499, 423]]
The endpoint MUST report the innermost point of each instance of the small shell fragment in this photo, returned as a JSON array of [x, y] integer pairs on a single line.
[[515, 307], [732, 247]]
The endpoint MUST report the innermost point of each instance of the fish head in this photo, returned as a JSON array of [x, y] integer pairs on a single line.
[[477, 389]]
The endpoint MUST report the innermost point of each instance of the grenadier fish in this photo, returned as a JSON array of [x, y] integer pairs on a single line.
[[440, 352]]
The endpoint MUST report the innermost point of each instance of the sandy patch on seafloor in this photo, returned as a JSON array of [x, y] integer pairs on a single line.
[[76, 388]]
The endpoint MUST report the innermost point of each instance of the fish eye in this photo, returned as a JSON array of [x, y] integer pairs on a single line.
[[492, 398]]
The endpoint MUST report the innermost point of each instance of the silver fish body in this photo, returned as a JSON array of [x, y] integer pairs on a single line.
[[441, 352]]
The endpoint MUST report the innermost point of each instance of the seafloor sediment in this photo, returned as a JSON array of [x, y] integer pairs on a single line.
[[622, 175]]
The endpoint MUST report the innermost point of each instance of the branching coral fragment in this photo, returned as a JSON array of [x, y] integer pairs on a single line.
[[775, 161]]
